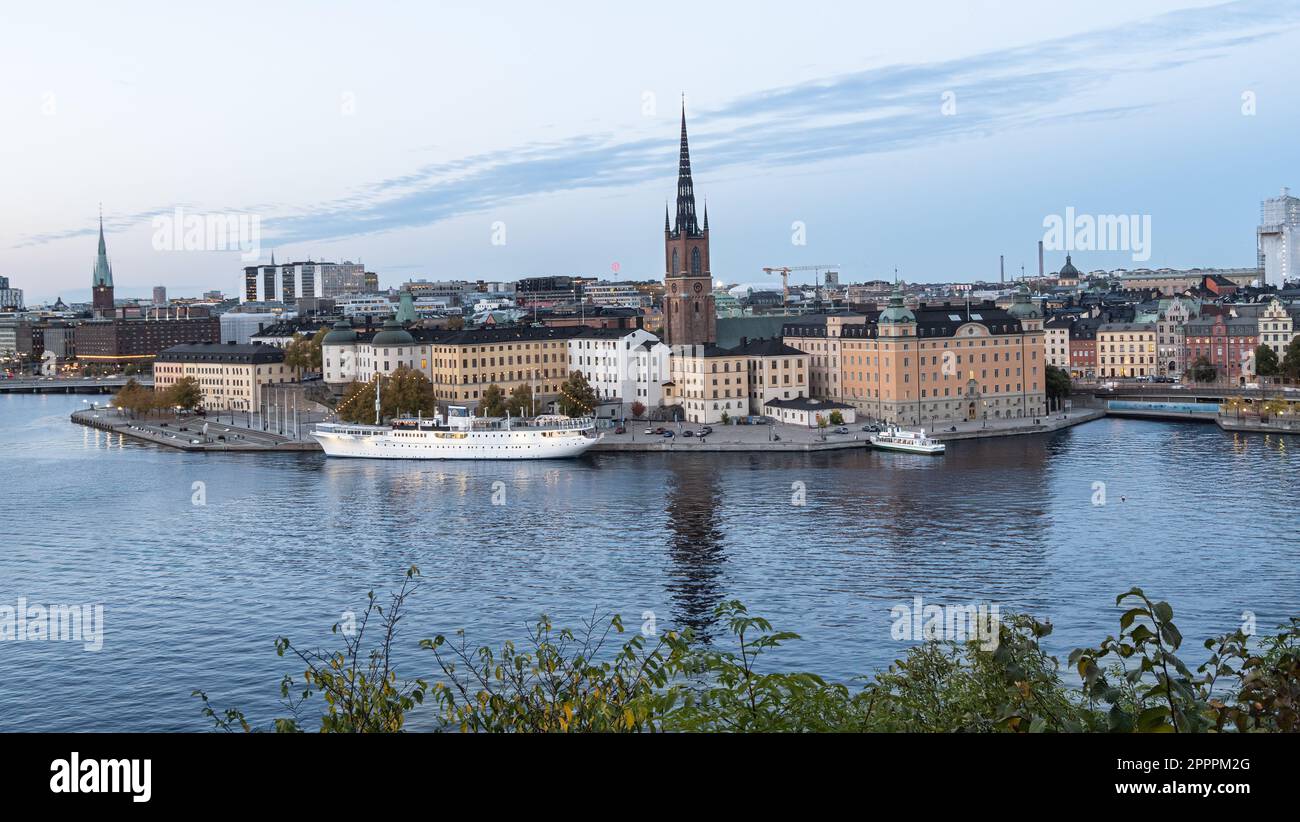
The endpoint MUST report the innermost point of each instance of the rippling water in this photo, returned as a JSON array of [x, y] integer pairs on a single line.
[[195, 595]]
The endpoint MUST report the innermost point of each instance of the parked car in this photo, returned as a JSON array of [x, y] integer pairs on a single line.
[[668, 434], [706, 430], [841, 430], [620, 430], [650, 432], [688, 433]]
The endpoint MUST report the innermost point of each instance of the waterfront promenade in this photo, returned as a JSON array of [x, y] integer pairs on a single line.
[[225, 433], [189, 434], [798, 438]]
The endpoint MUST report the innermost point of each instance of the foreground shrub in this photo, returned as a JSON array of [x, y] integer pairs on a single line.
[[559, 680]]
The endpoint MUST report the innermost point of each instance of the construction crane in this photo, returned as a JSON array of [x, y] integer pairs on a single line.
[[784, 271]]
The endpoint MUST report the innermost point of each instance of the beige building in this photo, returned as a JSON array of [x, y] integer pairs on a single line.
[[709, 382], [460, 364], [943, 363], [1126, 350], [775, 371], [1276, 328], [818, 336], [463, 364], [1057, 331], [232, 377]]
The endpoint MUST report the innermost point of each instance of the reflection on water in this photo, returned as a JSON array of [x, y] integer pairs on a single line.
[[695, 546], [195, 595]]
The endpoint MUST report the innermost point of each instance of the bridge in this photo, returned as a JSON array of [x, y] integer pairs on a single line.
[[69, 385]]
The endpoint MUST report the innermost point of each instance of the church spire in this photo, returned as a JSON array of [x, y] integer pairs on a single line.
[[686, 223], [103, 273]]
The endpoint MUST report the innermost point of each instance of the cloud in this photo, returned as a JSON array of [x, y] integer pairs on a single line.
[[873, 111]]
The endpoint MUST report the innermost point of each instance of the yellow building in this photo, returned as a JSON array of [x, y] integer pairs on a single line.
[[232, 377], [708, 382], [464, 363], [939, 364], [774, 371], [818, 335], [1126, 350]]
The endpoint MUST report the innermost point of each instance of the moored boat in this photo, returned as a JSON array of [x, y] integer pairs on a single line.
[[912, 442], [460, 436]]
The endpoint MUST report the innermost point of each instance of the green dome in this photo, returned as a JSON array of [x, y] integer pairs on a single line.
[[341, 333], [897, 312], [1068, 270], [1022, 308], [393, 334]]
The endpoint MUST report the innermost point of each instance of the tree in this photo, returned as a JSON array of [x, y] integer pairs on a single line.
[[638, 409], [316, 360], [1266, 362], [407, 392], [837, 418], [577, 398], [135, 399], [1202, 370], [1058, 383], [358, 403], [184, 393], [725, 419], [492, 403], [1291, 361], [520, 403]]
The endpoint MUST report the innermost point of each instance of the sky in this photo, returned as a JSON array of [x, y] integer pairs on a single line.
[[504, 140]]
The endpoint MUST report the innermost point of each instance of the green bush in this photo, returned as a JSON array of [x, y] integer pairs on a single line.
[[560, 680]]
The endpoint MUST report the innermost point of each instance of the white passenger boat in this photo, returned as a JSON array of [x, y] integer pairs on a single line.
[[460, 436], [913, 442]]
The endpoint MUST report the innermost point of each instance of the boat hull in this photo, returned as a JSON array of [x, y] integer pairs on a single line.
[[931, 450], [455, 445]]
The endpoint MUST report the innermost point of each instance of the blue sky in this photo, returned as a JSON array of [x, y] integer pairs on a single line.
[[400, 133]]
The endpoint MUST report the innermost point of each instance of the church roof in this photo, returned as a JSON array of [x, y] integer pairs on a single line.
[[103, 272]]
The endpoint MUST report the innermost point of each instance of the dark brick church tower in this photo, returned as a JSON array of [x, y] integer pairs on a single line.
[[690, 317]]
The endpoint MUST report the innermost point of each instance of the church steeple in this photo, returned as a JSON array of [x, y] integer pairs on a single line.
[[103, 272], [690, 312], [101, 279], [686, 222]]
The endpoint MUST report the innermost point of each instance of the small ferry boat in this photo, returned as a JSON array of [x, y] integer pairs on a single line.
[[460, 436], [913, 442]]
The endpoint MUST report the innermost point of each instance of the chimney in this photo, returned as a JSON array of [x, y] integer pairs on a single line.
[[1040, 258], [1002, 268]]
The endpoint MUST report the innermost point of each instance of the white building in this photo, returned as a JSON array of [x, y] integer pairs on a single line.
[[365, 305], [1276, 237], [1276, 328], [631, 365], [239, 328], [11, 299]]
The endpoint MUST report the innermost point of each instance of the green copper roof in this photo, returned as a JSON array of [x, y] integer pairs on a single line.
[[405, 308], [897, 312], [1022, 307], [392, 334], [103, 273], [341, 333]]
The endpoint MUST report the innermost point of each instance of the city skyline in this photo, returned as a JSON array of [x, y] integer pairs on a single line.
[[875, 161]]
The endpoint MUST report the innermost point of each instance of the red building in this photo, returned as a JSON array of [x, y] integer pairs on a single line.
[[1227, 342]]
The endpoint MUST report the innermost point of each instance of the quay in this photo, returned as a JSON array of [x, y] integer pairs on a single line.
[[186, 434], [66, 385], [797, 438]]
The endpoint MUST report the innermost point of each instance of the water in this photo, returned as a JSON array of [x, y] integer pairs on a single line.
[[194, 596]]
